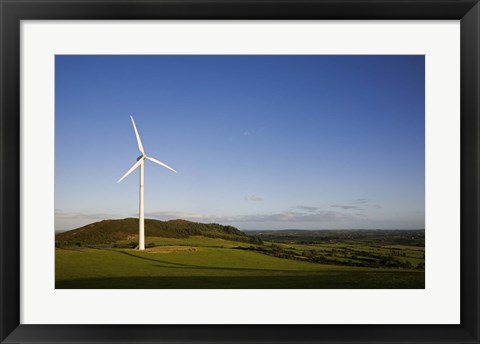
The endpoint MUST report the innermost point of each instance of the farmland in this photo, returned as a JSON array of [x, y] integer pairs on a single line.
[[298, 259]]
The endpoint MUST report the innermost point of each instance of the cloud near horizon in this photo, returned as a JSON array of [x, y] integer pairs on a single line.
[[360, 201], [357, 204], [70, 215], [297, 214], [307, 217], [346, 207], [254, 198]]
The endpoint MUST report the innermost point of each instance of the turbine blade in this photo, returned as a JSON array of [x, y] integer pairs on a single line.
[[140, 147], [161, 163], [131, 169]]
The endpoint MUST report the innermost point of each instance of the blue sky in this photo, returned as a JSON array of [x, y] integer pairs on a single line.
[[259, 142]]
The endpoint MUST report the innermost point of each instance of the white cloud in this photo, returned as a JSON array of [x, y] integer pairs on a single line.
[[253, 198], [360, 201], [346, 207]]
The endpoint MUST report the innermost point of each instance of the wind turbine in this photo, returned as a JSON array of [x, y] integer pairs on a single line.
[[140, 160]]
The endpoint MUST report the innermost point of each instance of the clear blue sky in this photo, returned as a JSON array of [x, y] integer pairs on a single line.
[[259, 142]]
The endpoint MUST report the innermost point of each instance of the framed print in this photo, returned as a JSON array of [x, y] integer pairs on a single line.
[[239, 171]]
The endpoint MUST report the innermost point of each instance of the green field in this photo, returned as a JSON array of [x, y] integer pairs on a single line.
[[199, 262]]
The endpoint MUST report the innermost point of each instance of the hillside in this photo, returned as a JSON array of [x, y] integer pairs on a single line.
[[111, 231]]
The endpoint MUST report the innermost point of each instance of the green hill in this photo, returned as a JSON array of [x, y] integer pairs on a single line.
[[112, 231]]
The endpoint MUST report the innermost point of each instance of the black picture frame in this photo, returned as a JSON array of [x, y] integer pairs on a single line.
[[13, 11]]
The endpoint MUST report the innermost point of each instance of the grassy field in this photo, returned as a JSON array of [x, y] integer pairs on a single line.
[[202, 262]]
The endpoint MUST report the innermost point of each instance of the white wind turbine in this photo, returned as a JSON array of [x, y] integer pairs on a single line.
[[140, 160]]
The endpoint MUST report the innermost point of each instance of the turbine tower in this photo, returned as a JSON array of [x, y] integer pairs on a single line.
[[140, 160]]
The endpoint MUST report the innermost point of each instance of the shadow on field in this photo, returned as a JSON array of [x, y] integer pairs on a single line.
[[320, 280], [82, 250], [172, 265]]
